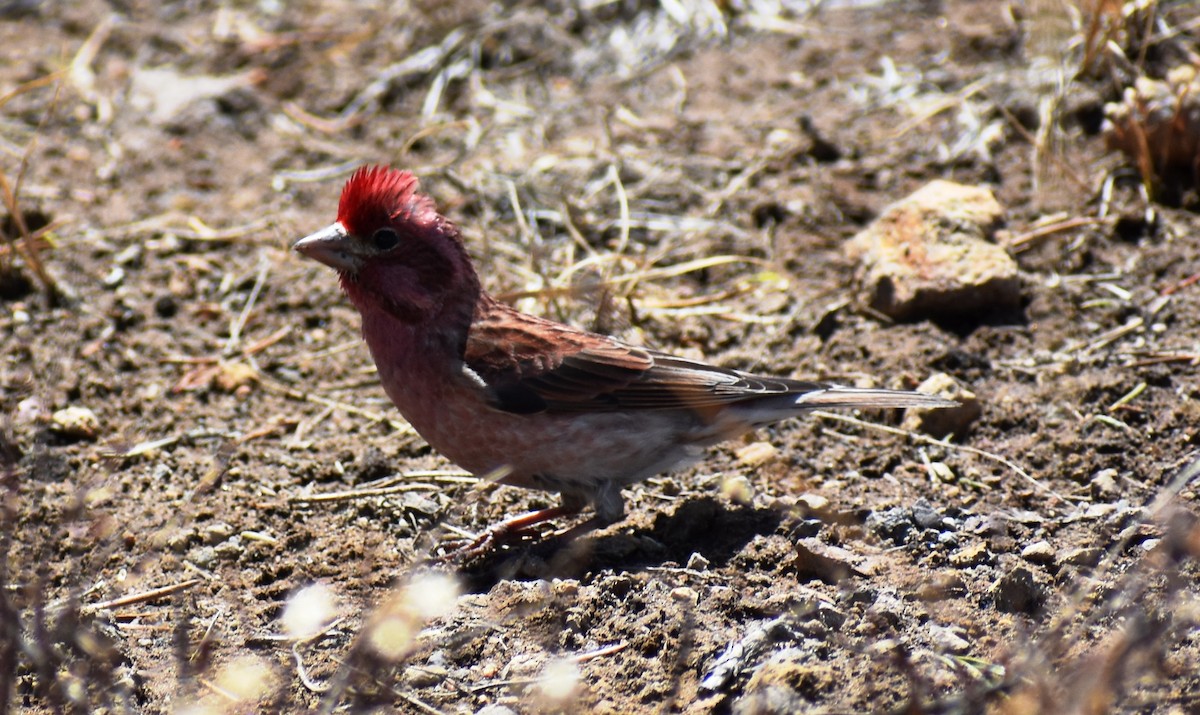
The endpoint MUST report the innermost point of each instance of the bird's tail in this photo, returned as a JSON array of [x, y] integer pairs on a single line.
[[868, 398]]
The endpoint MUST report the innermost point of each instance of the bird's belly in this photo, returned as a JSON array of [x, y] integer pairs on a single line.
[[546, 450]]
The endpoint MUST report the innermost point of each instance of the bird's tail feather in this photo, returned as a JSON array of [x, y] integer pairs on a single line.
[[869, 398]]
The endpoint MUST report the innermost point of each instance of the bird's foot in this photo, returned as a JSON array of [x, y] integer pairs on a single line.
[[514, 529]]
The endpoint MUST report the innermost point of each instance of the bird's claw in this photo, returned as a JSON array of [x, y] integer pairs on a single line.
[[486, 542]]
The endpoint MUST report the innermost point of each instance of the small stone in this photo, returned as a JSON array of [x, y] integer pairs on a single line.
[[495, 709], [232, 376], [1084, 556], [828, 615], [114, 277], [424, 676], [894, 524], [76, 423], [757, 453], [887, 607], [696, 562], [1039, 552], [215, 533], [972, 555], [786, 683], [737, 489], [203, 556], [29, 411], [814, 504], [944, 421], [684, 594], [925, 515], [229, 550], [947, 639]]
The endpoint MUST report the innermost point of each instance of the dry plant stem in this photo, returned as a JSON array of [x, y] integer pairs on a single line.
[[142, 597], [1101, 9], [1026, 240], [302, 673], [1063, 166], [236, 327], [363, 493], [916, 437], [27, 246], [401, 428], [1084, 600], [12, 193]]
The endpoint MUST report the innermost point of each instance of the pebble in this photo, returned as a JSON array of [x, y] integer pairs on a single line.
[[829, 563], [203, 556], [684, 594], [944, 421], [925, 515], [76, 423], [948, 639], [215, 533], [972, 555], [1083, 556], [813, 503], [1039, 552], [894, 524], [29, 411], [888, 607]]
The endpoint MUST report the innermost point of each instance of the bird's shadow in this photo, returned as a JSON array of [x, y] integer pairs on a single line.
[[704, 526]]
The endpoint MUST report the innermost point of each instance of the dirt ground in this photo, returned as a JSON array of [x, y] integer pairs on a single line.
[[230, 516]]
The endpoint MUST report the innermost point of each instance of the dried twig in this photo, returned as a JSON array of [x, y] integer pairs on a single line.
[[152, 595], [926, 439]]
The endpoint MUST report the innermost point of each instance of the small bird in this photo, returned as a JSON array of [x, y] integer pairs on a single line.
[[536, 403]]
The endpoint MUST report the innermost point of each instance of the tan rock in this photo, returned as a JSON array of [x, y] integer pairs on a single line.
[[933, 255]]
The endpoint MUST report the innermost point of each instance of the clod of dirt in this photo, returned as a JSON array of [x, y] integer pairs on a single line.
[[164, 94], [829, 563], [75, 423], [948, 420], [933, 256], [1019, 591]]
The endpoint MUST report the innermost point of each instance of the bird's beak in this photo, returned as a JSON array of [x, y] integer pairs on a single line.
[[332, 246]]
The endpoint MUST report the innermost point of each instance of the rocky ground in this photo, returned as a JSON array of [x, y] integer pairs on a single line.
[[211, 506]]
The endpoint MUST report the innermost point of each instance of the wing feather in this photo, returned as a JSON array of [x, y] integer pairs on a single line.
[[531, 365]]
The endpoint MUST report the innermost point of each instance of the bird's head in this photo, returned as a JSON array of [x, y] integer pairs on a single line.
[[391, 248]]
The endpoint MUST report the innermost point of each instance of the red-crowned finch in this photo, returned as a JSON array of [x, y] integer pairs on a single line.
[[546, 405]]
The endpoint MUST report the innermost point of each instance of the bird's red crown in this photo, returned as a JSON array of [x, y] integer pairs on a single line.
[[377, 195]]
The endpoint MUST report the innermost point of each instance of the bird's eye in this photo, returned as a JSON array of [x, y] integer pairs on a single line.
[[385, 239]]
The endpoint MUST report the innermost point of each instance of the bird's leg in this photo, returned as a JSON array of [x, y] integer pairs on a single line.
[[610, 508], [518, 526]]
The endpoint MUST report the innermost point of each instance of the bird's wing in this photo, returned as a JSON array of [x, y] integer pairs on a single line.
[[532, 365]]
